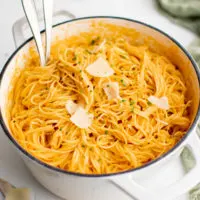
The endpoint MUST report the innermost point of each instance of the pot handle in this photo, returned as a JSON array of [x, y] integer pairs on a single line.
[[189, 180], [20, 25]]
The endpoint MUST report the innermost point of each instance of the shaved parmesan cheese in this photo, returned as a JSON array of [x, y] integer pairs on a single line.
[[100, 68], [81, 118], [71, 107], [161, 121], [112, 90], [159, 102]]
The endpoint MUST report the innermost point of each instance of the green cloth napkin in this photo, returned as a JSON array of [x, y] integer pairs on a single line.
[[187, 14]]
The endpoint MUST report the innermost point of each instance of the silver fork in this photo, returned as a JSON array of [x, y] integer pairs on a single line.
[[31, 16]]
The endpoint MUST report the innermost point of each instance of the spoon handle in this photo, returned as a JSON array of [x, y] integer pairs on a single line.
[[31, 16], [48, 10], [5, 187]]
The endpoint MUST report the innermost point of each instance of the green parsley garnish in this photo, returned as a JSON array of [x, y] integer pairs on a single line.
[[106, 132], [94, 41], [132, 102], [88, 51], [74, 58], [122, 56], [122, 81], [149, 103], [123, 100], [83, 145]]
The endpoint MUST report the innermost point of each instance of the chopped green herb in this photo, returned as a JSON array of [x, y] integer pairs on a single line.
[[132, 109], [149, 103], [79, 62], [74, 58], [60, 129], [92, 42], [123, 100], [80, 70], [88, 51], [108, 85], [132, 102], [122, 56], [90, 91], [122, 81], [106, 132], [83, 145]]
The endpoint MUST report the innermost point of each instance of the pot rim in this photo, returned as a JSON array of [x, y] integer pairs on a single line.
[[192, 127]]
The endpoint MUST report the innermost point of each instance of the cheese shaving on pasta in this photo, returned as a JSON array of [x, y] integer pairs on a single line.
[[112, 90], [159, 102], [81, 118], [71, 107], [100, 68]]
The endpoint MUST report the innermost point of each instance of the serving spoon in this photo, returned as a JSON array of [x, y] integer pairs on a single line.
[[31, 15], [10, 192]]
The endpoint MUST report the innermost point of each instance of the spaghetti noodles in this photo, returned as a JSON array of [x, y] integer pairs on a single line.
[[126, 132]]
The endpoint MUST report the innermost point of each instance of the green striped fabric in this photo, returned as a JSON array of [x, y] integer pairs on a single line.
[[187, 14]]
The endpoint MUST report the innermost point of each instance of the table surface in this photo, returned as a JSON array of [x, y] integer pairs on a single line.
[[11, 166]]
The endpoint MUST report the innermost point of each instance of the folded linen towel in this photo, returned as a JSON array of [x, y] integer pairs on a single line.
[[187, 14]]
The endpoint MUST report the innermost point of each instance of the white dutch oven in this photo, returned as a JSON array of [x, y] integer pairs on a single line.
[[119, 186]]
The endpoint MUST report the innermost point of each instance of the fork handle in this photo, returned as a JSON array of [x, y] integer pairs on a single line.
[[31, 16], [48, 10]]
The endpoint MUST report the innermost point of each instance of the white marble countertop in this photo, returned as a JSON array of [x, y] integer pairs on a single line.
[[11, 165]]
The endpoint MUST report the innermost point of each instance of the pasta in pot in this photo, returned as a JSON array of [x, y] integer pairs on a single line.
[[133, 107]]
